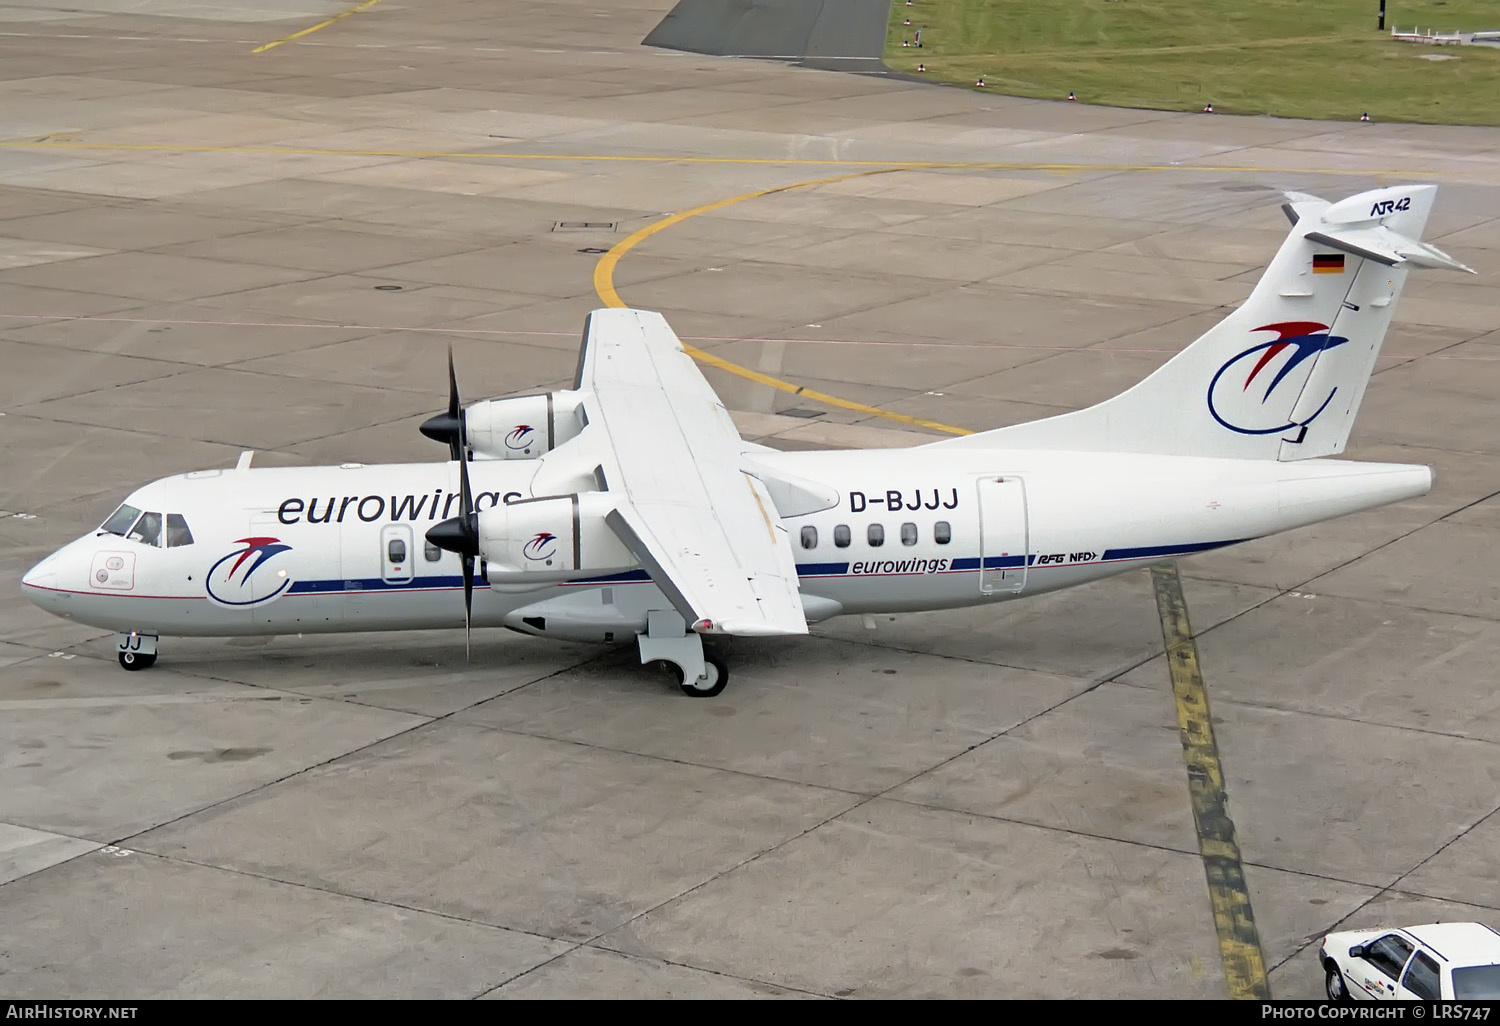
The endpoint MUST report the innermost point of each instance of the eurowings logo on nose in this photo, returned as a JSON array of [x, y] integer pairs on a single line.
[[543, 546], [1245, 395], [519, 437], [232, 581]]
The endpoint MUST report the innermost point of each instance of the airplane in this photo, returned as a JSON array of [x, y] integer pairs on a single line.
[[628, 508]]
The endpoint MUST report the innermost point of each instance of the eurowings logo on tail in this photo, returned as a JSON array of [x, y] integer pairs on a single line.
[[1246, 396], [230, 587], [519, 438]]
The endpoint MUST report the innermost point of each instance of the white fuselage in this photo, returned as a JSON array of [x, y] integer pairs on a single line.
[[292, 550]]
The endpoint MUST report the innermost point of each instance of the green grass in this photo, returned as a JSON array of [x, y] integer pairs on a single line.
[[1291, 58]]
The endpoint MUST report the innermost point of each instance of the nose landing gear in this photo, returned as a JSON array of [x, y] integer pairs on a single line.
[[136, 651]]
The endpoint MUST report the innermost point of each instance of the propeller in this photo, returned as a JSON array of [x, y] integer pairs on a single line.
[[460, 534], [449, 427]]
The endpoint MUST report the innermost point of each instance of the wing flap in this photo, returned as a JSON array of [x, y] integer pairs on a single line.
[[705, 528]]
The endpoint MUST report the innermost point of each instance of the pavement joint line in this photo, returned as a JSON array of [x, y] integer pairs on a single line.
[[1385, 544], [1435, 353], [1392, 887], [756, 856], [1108, 677], [590, 945], [305, 885], [595, 746], [595, 944], [426, 721], [1051, 827], [44, 142], [320, 25], [1280, 593], [1340, 717], [1240, 950], [179, 369]]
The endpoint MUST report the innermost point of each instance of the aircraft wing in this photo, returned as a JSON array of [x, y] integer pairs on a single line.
[[703, 526]]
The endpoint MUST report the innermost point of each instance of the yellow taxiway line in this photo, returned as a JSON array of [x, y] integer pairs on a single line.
[[320, 25], [604, 272], [1239, 940]]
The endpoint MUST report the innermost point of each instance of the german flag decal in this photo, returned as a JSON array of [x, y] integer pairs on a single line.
[[1328, 263]]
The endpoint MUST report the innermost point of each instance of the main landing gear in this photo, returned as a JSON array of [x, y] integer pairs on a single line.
[[668, 639], [715, 676], [136, 651]]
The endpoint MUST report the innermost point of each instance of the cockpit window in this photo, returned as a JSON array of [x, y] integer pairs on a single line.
[[147, 530], [120, 520], [177, 531]]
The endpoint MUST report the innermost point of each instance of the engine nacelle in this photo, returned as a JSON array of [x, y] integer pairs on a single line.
[[525, 427], [542, 541]]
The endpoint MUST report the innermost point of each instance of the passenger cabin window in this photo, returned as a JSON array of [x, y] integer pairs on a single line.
[[1389, 955], [942, 532], [432, 552], [809, 537], [841, 536], [875, 535], [147, 530], [1422, 977], [396, 550], [908, 534], [178, 534], [120, 520]]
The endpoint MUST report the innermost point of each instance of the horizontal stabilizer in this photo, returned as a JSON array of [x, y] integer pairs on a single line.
[[1386, 247]]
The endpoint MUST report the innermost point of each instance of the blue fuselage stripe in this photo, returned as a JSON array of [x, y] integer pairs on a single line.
[[804, 570], [1160, 551]]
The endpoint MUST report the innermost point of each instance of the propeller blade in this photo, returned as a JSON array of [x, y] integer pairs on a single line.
[[468, 562], [460, 534], [465, 498], [471, 536], [453, 404], [449, 427]]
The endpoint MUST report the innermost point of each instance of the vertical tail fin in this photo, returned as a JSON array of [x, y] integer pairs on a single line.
[[1281, 377]]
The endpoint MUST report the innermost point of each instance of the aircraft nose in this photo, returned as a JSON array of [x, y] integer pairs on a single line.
[[41, 578]]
